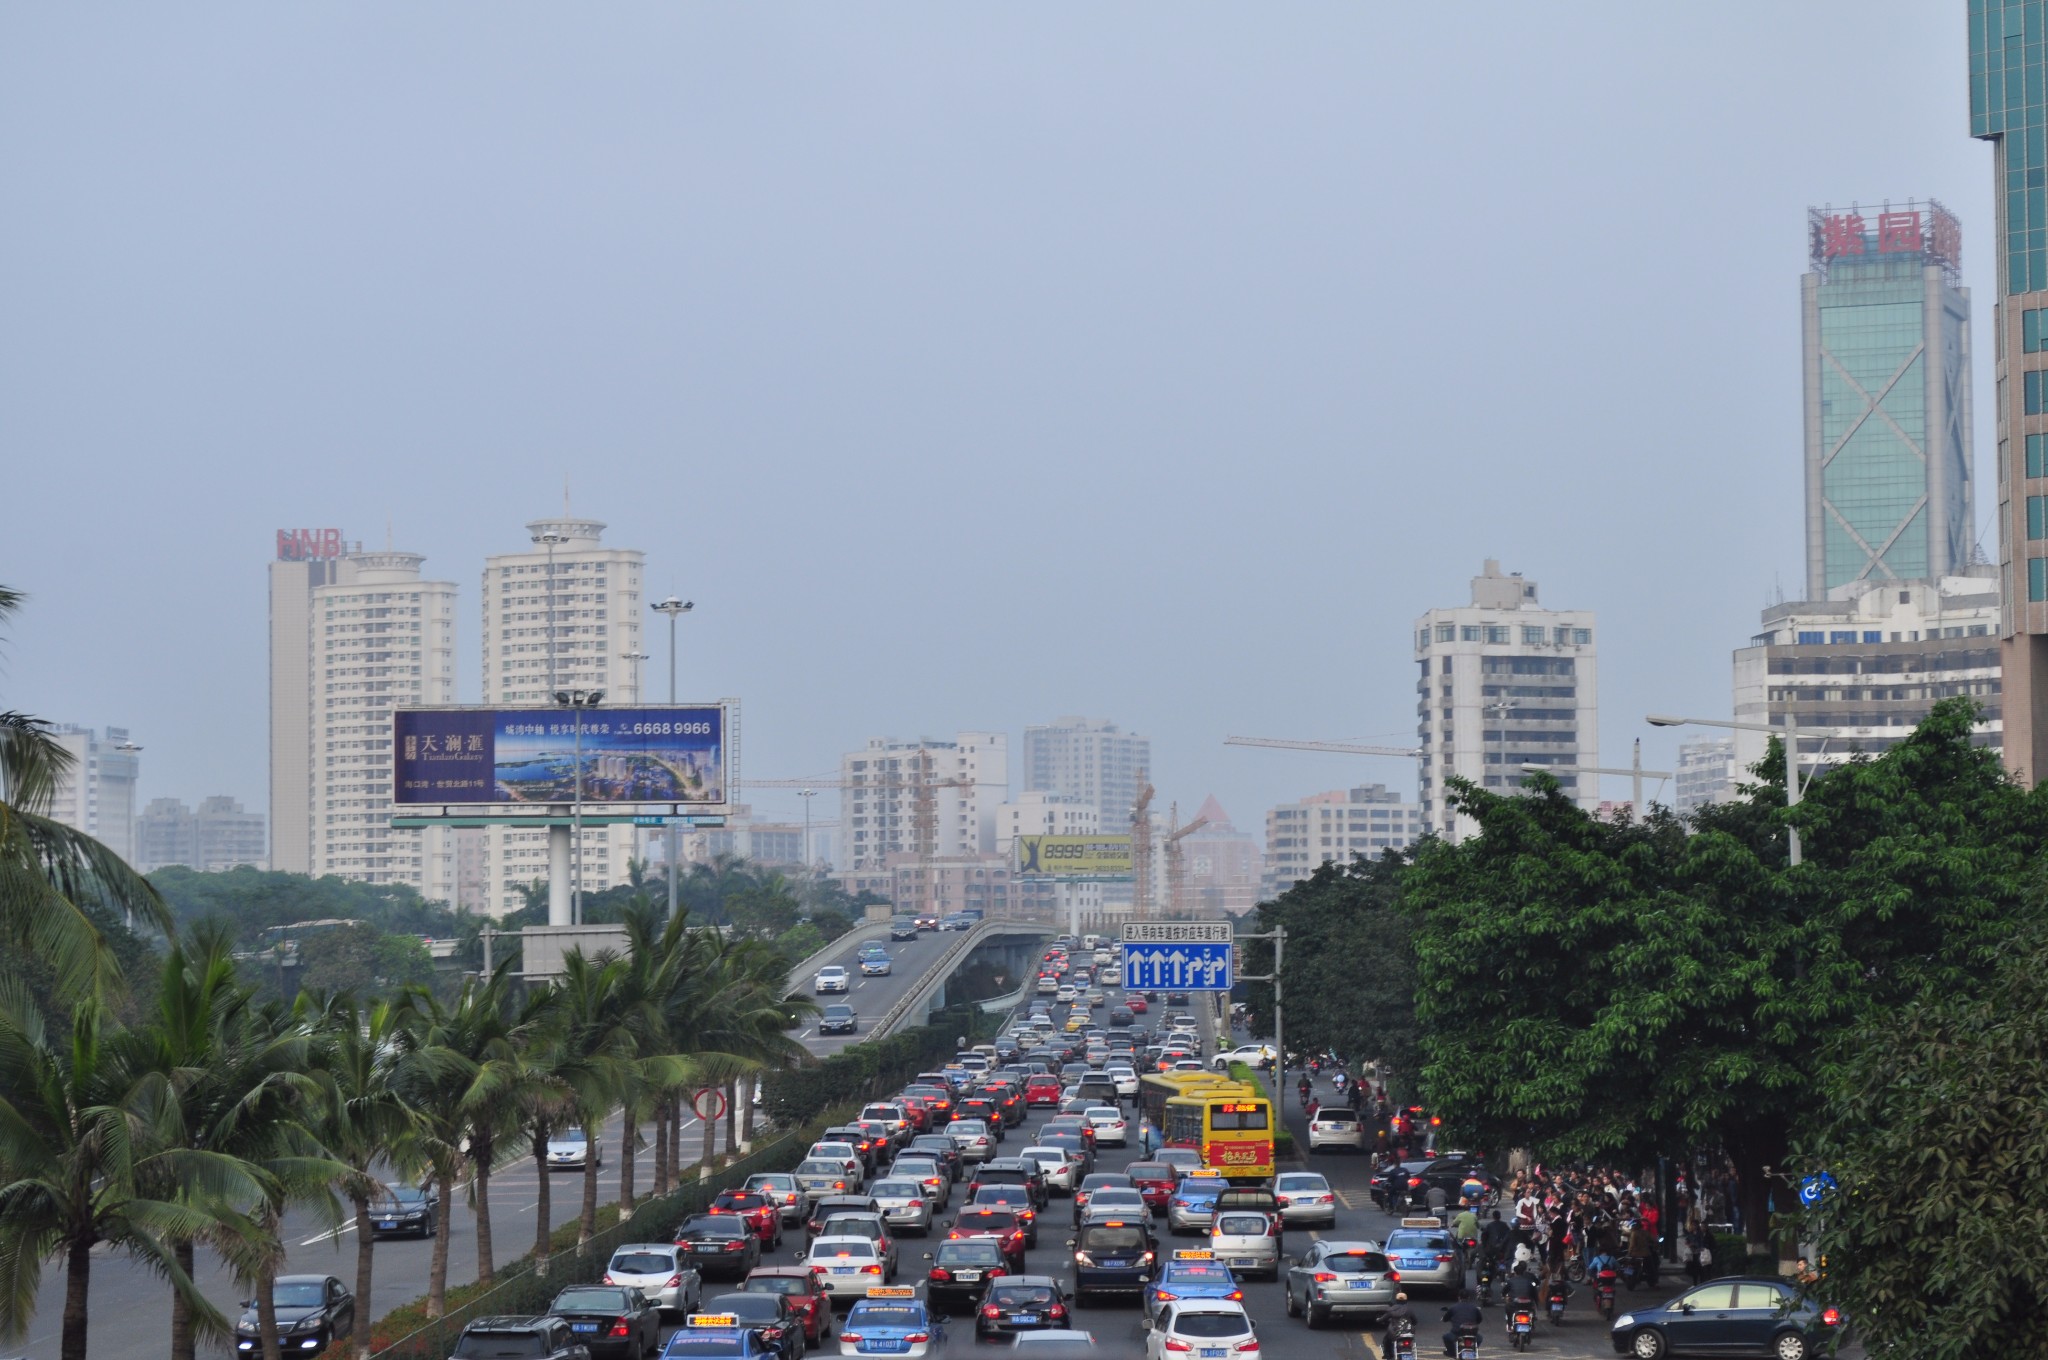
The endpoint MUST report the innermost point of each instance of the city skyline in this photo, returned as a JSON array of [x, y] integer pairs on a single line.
[[1184, 433]]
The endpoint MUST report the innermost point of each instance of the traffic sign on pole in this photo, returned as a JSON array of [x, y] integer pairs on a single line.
[[708, 1102], [1178, 932], [1193, 967]]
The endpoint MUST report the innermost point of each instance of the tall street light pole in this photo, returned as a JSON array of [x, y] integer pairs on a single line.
[[1795, 787], [576, 700], [807, 795], [675, 608]]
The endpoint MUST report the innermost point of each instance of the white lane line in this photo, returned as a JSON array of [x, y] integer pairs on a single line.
[[329, 1236], [805, 1035]]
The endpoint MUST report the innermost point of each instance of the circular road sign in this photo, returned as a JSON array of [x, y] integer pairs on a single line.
[[708, 1102]]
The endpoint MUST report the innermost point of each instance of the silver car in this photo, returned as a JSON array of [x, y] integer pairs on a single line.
[[1305, 1197], [1114, 1201], [822, 1176], [1335, 1277], [929, 1175], [973, 1139], [569, 1150], [904, 1204], [784, 1189], [1247, 1241], [1426, 1256], [649, 1267], [1061, 1171]]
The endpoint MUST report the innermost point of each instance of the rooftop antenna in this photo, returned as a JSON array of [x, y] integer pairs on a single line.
[[388, 540], [565, 495]]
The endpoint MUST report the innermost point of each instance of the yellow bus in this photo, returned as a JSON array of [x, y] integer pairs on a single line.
[[1231, 1126], [1158, 1088]]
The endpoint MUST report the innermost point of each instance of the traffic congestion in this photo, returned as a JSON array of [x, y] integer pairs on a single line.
[[1095, 1178]]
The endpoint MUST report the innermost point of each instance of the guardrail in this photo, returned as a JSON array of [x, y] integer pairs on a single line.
[[800, 975], [996, 1005], [913, 1001]]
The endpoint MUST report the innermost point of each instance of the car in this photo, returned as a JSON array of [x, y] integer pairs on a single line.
[[1193, 1206], [829, 979], [724, 1244], [1113, 1256], [1734, 1315], [800, 1287], [1400, 1186], [1059, 1170], [838, 1018], [1340, 1277], [1453, 1171], [1021, 1303], [845, 1267], [904, 1203], [1137, 1003], [869, 1223], [1426, 1255], [1097, 1086], [312, 1311], [1074, 1143], [1067, 993], [783, 1188], [1012, 1171], [1005, 1226], [1185, 1161], [1305, 1197], [1111, 1129], [929, 1174], [938, 1100], [876, 965], [822, 1176], [1191, 1275], [1016, 1198], [572, 1150], [1125, 1077], [1048, 984], [831, 1206], [762, 1214], [977, 1143], [660, 1270], [1116, 1201], [845, 1155], [612, 1320], [1215, 1329], [891, 1321], [541, 1338], [405, 1209], [891, 1115], [1336, 1126], [713, 1336], [1251, 1055], [1042, 1090], [903, 928], [928, 920], [774, 1317], [1097, 1180], [960, 1271], [1246, 1240], [941, 1148]]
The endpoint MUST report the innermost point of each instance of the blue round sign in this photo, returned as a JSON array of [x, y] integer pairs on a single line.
[[1813, 1187]]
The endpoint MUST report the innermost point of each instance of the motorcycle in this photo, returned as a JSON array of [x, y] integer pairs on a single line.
[[1603, 1291], [1521, 1327], [1560, 1294], [1574, 1264], [1465, 1342], [1404, 1339], [1631, 1272], [1489, 1268]]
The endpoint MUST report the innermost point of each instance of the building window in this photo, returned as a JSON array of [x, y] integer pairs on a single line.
[[1422, 639], [2033, 334], [1446, 633], [2037, 517], [1869, 636], [2036, 392], [1468, 632], [1582, 636], [2037, 578], [1532, 636], [1497, 632], [1811, 639]]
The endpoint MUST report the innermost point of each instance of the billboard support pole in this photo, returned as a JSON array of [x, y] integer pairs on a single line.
[[558, 874]]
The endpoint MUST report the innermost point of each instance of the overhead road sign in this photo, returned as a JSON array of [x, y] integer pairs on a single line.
[[1073, 856], [1178, 967], [1178, 932]]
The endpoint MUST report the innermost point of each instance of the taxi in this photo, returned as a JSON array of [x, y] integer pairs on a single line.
[[714, 1336], [1193, 1205], [1191, 1275], [890, 1321]]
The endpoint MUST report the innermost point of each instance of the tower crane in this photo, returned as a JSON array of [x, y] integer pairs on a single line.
[[1176, 873], [1141, 851], [1339, 747]]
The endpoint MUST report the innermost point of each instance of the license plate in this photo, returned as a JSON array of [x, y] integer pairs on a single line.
[[846, 1270], [388, 1223], [1521, 1326], [583, 1326], [1211, 1352], [887, 1347], [1028, 1317], [967, 1276], [1244, 1260]]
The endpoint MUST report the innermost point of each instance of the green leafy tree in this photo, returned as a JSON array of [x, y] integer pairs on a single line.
[[1932, 1130], [364, 960]]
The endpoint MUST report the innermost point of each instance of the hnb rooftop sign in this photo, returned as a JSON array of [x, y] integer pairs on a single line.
[[308, 545]]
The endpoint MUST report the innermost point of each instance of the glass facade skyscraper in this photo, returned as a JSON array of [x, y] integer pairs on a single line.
[[2009, 109], [1887, 351]]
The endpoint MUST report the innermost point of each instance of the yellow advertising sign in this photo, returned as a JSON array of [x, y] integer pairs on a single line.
[[1074, 856]]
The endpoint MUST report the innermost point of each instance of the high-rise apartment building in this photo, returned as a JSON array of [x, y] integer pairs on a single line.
[[306, 559], [1505, 683], [1706, 772], [963, 782], [1860, 672], [1327, 828], [218, 836], [1089, 759], [563, 613], [383, 638], [1887, 361], [2009, 108], [97, 794]]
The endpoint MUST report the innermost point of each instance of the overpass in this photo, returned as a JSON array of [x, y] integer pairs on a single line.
[[922, 969]]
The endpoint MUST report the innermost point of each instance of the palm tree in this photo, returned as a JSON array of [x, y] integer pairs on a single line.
[[442, 1047], [492, 1108], [79, 1155], [596, 1055], [48, 871]]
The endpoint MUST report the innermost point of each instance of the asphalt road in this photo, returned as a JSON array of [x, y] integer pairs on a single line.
[[129, 1314]]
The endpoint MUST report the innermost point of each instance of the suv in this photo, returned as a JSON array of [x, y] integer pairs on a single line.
[[1098, 1088], [1112, 1256], [519, 1338], [830, 978]]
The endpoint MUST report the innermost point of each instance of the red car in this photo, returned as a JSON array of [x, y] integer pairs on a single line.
[[1155, 1181], [797, 1285], [763, 1214], [1137, 1004], [1004, 1225], [1042, 1090], [915, 1111]]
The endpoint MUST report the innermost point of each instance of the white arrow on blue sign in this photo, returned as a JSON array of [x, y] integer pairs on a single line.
[[1182, 967]]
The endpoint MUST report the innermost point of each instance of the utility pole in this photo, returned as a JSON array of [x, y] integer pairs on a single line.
[[1278, 935], [674, 608]]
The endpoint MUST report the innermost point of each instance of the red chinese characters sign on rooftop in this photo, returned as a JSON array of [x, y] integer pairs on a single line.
[[1915, 229]]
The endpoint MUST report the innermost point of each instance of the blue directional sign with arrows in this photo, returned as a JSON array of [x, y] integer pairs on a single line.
[[1183, 967]]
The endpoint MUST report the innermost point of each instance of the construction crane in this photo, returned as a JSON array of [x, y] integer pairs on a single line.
[[1340, 747], [1176, 874], [1141, 851]]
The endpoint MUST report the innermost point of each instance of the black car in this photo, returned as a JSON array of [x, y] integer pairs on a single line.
[[961, 1271], [519, 1338], [831, 1205], [1113, 1256], [838, 1018], [1021, 1303], [903, 928], [405, 1210], [611, 1320], [772, 1316], [316, 1309], [1738, 1315], [941, 1149], [724, 1244], [1400, 1187], [1449, 1174]]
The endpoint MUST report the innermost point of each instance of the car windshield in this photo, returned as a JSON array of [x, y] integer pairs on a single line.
[[776, 1284], [642, 1263], [1211, 1324], [1020, 1295], [500, 1346], [404, 1196], [1118, 1238], [1300, 1181], [589, 1301], [298, 1295], [1116, 1195], [837, 1010], [1241, 1225], [1418, 1241], [570, 1136], [774, 1180]]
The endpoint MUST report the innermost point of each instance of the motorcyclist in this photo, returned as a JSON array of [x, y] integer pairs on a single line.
[[1461, 1315], [1304, 1086], [1520, 1289], [1493, 1248], [1465, 1223], [1398, 1315]]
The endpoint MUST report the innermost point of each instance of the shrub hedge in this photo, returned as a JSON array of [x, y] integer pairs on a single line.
[[872, 1068]]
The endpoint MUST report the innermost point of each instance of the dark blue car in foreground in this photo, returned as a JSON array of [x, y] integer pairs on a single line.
[[1739, 1315]]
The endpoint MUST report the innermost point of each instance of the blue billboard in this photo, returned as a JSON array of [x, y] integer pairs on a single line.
[[529, 755]]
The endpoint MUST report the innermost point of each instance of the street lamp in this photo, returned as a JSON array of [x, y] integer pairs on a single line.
[[550, 540], [1794, 786], [807, 795], [577, 700], [1634, 769], [635, 657], [675, 609]]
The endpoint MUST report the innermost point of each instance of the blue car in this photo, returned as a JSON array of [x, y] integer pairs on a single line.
[[1191, 1275], [1192, 1207], [1765, 1316], [716, 1336], [890, 1321]]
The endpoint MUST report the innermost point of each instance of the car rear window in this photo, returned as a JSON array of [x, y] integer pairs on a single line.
[[1240, 1225], [968, 1253], [1104, 1238], [1357, 1263], [776, 1284], [1211, 1324], [500, 1346], [642, 1263], [1418, 1240], [1336, 1116], [1019, 1294], [835, 1250]]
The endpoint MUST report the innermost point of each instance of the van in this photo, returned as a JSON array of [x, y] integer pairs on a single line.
[[1090, 941]]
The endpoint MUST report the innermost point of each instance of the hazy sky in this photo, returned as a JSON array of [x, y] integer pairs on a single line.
[[967, 364]]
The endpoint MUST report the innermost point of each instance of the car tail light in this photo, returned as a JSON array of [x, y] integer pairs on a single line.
[[674, 1282], [1250, 1345], [1444, 1257], [941, 1274], [918, 1336], [1394, 1275], [1831, 1317], [839, 1185], [817, 1272], [990, 1310], [1414, 1181], [1324, 1277], [736, 1245], [870, 1270], [1175, 1344], [619, 1327], [853, 1338], [607, 1279], [1235, 1295], [1057, 1310]]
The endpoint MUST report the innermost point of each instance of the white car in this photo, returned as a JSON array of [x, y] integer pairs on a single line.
[[1126, 1079], [1336, 1127], [844, 1267], [1060, 1170], [1305, 1197], [1210, 1328], [1048, 986], [846, 1155], [569, 1151], [1250, 1054], [1114, 1201], [1111, 1129], [831, 978], [660, 1270], [1066, 993]]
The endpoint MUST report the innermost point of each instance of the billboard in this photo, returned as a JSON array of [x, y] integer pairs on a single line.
[[661, 754], [1074, 856]]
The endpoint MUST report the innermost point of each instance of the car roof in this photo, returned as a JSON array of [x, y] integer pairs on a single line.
[[782, 1272], [302, 1279], [645, 1246], [1026, 1279], [1212, 1306]]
